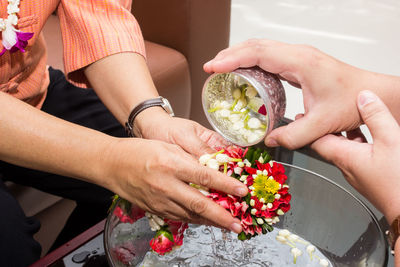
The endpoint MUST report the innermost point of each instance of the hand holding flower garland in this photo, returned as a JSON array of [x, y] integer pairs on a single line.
[[13, 39], [258, 211]]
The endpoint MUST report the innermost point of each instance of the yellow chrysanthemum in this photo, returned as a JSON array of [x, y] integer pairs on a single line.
[[264, 186]]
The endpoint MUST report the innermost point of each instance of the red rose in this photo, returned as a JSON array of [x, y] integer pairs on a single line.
[[162, 242]]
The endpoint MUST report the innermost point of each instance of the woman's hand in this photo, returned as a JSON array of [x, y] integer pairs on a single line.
[[155, 176], [372, 169], [330, 87], [154, 123]]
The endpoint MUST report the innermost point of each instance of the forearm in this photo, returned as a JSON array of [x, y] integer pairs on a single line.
[[387, 87], [121, 81], [33, 139]]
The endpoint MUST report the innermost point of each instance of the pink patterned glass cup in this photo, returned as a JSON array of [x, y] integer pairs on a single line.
[[244, 105]]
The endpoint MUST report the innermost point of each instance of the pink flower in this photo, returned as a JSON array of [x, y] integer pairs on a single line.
[[14, 40], [262, 110]]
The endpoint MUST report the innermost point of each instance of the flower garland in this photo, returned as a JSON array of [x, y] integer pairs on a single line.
[[13, 39], [268, 198]]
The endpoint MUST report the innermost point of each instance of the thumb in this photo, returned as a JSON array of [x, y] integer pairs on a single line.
[[382, 125], [296, 134]]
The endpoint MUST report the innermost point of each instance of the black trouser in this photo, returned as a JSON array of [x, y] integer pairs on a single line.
[[80, 106]]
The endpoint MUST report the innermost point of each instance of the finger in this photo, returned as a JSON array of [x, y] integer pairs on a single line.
[[204, 176], [197, 203], [298, 133], [382, 125], [356, 135], [195, 146], [270, 55], [339, 150], [211, 138]]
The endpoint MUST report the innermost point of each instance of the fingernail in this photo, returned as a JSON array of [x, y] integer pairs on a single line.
[[241, 191], [270, 142], [208, 64], [366, 97], [236, 227]]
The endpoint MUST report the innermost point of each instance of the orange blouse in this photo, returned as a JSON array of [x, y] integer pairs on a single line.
[[91, 30]]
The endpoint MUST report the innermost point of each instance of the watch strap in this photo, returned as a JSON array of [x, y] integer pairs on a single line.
[[393, 233], [159, 101]]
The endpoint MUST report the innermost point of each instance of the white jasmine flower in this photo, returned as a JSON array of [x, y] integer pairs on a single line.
[[238, 125], [265, 172], [253, 211], [275, 219], [259, 172], [268, 220], [251, 138], [260, 221], [262, 200], [158, 220], [225, 113], [285, 233], [281, 239], [277, 196], [269, 205], [264, 207], [240, 164], [248, 164], [251, 92], [280, 212], [205, 158], [225, 105], [310, 250], [293, 237], [296, 253], [323, 262], [285, 186], [222, 158], [240, 104], [252, 202], [251, 187], [243, 178], [12, 8], [261, 160], [254, 123], [237, 170], [236, 93], [234, 117], [153, 225], [213, 164], [271, 163]]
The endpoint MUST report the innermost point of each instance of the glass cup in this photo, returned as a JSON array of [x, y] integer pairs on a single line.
[[244, 105]]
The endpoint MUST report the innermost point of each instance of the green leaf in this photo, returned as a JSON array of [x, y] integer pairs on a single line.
[[254, 221], [269, 228], [247, 199], [165, 232], [242, 236]]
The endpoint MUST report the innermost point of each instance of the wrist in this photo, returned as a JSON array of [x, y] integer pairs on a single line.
[[146, 120]]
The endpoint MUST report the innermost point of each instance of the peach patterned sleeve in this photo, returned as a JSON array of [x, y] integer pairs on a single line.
[[92, 30]]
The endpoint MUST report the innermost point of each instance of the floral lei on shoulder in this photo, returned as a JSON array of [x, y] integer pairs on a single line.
[[13, 40], [268, 198]]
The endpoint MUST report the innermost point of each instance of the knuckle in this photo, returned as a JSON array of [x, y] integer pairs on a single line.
[[371, 111], [204, 177], [198, 205]]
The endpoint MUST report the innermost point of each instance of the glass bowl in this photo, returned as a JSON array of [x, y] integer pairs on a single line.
[[339, 225]]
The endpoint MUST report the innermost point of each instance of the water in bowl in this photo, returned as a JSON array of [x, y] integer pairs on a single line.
[[210, 246]]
